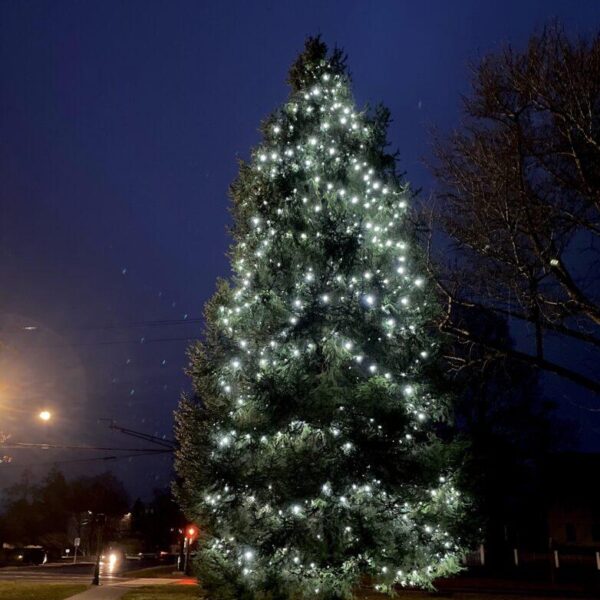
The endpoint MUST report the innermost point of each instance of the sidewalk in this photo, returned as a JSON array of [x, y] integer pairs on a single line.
[[101, 592]]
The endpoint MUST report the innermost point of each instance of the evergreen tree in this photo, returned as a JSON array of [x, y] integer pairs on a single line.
[[310, 455]]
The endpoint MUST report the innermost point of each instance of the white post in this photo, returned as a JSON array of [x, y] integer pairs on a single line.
[[186, 547], [556, 561], [76, 543], [516, 556], [598, 561], [482, 555]]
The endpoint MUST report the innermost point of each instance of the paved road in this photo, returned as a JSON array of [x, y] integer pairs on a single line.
[[69, 573]]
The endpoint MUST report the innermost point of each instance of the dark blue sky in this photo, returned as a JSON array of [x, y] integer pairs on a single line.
[[120, 127]]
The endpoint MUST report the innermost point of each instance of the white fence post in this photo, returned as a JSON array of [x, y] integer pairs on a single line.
[[556, 561], [516, 556], [482, 555]]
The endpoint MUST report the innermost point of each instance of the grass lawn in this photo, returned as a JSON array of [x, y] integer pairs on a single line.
[[17, 590], [163, 592]]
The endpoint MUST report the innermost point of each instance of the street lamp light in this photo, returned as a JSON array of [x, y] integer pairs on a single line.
[[45, 415]]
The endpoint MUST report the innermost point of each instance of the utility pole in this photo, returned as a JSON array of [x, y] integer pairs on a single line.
[[100, 520], [6, 458]]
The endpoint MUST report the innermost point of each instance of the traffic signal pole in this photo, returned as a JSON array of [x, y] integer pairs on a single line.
[[190, 534]]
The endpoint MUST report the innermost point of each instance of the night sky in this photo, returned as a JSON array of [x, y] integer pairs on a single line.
[[121, 124]]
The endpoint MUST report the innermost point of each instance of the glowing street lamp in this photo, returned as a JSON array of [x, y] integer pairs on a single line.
[[45, 415]]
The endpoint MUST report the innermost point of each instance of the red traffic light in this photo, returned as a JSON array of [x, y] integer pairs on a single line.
[[191, 531]]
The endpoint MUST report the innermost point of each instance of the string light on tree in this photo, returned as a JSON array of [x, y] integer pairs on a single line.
[[315, 416]]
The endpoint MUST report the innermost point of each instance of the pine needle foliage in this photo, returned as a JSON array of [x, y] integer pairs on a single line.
[[310, 454]]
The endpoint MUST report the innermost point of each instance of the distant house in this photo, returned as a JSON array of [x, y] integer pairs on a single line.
[[573, 509]]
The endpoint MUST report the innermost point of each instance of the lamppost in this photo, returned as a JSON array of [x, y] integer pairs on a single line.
[[190, 534], [44, 415], [6, 458], [100, 520]]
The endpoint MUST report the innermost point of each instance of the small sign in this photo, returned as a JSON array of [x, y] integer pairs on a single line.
[[76, 542]]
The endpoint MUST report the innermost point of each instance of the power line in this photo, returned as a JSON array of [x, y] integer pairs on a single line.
[[149, 323], [34, 446], [78, 460], [140, 342], [108, 327], [153, 439]]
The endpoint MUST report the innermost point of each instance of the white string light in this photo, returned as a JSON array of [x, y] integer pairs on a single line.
[[321, 140]]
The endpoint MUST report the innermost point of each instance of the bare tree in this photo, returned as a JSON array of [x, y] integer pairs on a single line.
[[519, 202]]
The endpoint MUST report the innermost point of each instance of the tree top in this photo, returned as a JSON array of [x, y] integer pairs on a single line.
[[313, 61]]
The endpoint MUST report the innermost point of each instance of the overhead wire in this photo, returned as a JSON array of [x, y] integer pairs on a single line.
[[77, 460], [43, 446], [106, 326], [111, 342]]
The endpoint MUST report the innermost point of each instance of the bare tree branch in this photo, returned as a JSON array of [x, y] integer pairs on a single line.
[[519, 198]]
